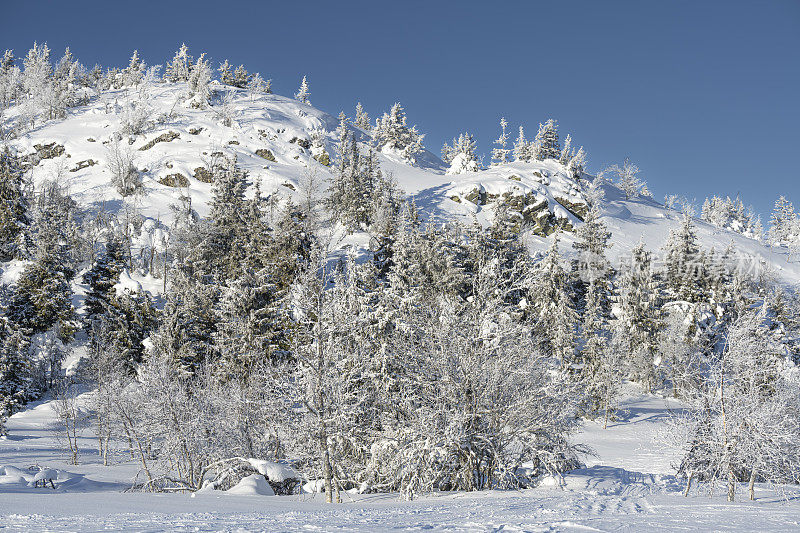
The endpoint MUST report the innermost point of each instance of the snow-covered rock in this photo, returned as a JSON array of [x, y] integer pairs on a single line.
[[252, 485]]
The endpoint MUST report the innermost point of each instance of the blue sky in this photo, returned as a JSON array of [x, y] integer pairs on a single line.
[[702, 95]]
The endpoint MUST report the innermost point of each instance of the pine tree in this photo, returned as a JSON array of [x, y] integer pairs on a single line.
[[784, 225], [303, 94], [522, 147], [462, 155], [13, 209], [639, 318], [577, 163], [546, 144], [220, 252], [362, 118], [42, 299], [15, 372], [134, 73], [198, 81], [685, 263], [225, 74], [181, 65], [567, 152], [552, 307], [101, 278], [127, 320], [392, 135], [184, 337], [241, 77], [500, 154]]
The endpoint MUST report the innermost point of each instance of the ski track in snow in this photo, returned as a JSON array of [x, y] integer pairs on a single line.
[[628, 486]]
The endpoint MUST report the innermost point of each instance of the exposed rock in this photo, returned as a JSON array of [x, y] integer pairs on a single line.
[[579, 210], [174, 180], [43, 151], [266, 154], [195, 131], [163, 138], [84, 164], [204, 175], [288, 186], [305, 143], [323, 159], [233, 142]]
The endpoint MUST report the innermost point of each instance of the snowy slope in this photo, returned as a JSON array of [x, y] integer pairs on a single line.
[[282, 126]]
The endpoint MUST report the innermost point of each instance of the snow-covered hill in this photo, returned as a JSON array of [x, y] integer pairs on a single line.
[[275, 139]]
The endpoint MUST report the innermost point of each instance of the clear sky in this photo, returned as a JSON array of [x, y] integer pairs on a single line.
[[702, 95]]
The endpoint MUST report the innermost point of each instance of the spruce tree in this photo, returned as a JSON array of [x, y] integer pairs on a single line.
[[181, 65], [546, 144], [392, 135], [241, 78], [15, 372], [500, 154], [101, 278], [225, 74], [303, 94], [552, 307], [521, 147], [362, 118], [13, 209], [685, 268], [639, 318]]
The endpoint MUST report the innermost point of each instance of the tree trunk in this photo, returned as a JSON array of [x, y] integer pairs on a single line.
[[688, 484], [326, 468], [752, 485], [731, 485]]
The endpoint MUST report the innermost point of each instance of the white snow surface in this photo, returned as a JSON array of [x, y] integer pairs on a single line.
[[628, 486]]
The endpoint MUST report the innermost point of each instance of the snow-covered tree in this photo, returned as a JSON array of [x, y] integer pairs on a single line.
[[121, 165], [552, 308], [685, 270], [181, 65], [16, 383], [639, 318], [134, 73], [362, 118], [501, 153], [256, 85], [546, 145], [391, 135], [577, 163], [241, 77], [462, 155], [198, 82], [742, 426], [785, 227], [13, 208], [522, 148], [304, 93], [225, 73], [731, 214], [627, 179]]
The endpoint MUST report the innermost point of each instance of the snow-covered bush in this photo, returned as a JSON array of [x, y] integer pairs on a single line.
[[121, 164]]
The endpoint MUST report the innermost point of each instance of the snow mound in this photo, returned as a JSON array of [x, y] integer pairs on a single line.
[[252, 485], [275, 472]]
